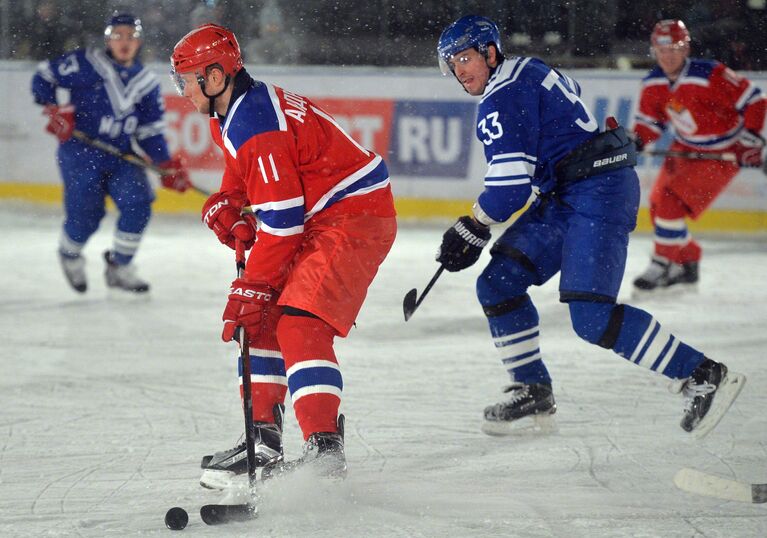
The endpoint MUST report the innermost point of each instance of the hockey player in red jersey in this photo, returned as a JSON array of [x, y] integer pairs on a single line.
[[323, 221], [712, 110]]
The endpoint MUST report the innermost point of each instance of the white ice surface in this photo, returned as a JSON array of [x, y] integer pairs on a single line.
[[108, 402]]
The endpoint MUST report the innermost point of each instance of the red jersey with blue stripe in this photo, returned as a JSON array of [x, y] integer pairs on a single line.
[[707, 106], [294, 161]]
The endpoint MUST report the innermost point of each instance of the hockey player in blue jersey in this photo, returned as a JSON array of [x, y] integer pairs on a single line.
[[112, 98], [540, 138]]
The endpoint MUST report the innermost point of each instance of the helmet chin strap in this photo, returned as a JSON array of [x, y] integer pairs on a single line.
[[212, 98]]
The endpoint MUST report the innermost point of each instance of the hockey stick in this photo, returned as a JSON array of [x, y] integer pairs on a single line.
[[217, 514], [410, 303], [727, 156], [694, 481], [130, 157]]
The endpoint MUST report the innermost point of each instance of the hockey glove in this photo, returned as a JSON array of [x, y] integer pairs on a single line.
[[222, 213], [749, 148], [175, 175], [462, 244], [61, 121], [251, 305]]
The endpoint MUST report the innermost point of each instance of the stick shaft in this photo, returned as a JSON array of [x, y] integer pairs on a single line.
[[727, 156], [130, 157], [247, 395], [429, 285]]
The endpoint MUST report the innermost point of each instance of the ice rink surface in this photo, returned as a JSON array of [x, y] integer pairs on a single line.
[[108, 402]]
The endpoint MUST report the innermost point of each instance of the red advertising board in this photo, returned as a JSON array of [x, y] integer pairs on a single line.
[[367, 120]]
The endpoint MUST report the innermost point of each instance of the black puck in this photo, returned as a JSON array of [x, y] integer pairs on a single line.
[[176, 518]]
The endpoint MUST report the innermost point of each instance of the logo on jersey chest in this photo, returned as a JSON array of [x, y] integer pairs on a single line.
[[681, 118], [112, 128]]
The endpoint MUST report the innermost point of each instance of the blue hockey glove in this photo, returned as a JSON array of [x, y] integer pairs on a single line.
[[462, 244]]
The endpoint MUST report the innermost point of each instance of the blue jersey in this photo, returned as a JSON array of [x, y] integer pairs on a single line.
[[529, 117], [113, 103]]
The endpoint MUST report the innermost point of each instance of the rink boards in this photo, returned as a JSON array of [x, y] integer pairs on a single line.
[[421, 122]]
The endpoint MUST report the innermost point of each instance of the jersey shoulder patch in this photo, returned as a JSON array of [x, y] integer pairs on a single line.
[[255, 112], [701, 68], [654, 77]]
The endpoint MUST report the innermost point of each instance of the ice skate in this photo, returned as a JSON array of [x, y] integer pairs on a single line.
[[663, 276], [74, 271], [123, 276], [710, 391], [220, 470], [323, 455], [530, 409]]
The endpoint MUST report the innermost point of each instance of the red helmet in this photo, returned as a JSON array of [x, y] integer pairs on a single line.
[[670, 32], [204, 46]]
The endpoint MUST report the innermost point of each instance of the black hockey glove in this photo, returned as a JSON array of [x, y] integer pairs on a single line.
[[462, 244]]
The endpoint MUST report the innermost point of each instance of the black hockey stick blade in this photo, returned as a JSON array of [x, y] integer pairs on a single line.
[[219, 514], [411, 301]]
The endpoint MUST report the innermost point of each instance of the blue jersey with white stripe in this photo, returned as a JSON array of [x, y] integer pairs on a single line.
[[112, 102], [529, 117]]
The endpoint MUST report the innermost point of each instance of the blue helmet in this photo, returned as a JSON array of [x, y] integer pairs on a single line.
[[467, 32], [118, 18]]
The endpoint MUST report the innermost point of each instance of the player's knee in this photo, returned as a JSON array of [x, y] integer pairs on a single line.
[[136, 216], [501, 279], [298, 330], [597, 322]]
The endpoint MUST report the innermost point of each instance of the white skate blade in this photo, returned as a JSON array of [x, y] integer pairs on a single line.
[[531, 425], [217, 479], [700, 483], [724, 396]]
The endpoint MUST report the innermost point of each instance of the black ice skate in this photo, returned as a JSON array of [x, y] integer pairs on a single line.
[[74, 271], [123, 276], [534, 401], [662, 276], [710, 391], [323, 455], [222, 468]]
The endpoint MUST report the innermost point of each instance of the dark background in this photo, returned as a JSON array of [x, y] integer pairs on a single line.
[[583, 33]]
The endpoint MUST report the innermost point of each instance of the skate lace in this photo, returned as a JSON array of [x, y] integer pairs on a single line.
[[692, 390], [516, 392]]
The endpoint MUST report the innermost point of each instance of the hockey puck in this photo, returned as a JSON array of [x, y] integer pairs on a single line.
[[176, 518]]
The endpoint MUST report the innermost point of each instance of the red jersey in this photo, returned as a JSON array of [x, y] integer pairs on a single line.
[[708, 105], [293, 161]]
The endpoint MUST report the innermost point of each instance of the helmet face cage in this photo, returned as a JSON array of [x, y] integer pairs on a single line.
[[467, 32], [180, 83]]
